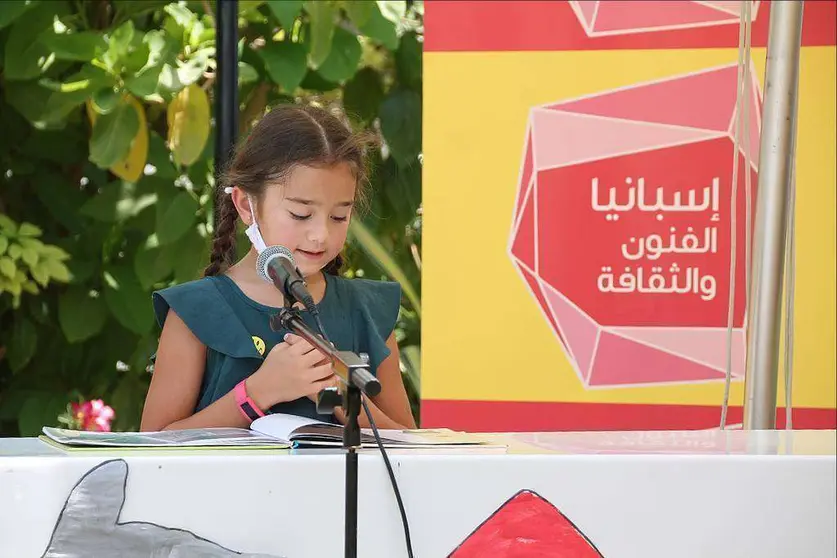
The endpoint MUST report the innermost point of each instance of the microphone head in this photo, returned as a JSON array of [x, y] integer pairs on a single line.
[[275, 251]]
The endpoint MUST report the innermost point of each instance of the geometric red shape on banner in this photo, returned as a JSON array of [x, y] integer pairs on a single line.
[[652, 365], [618, 15], [526, 172], [579, 330], [708, 346], [623, 17], [624, 222], [537, 292], [524, 244], [565, 138], [670, 101], [526, 526]]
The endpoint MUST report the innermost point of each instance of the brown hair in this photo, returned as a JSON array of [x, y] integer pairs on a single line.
[[287, 136]]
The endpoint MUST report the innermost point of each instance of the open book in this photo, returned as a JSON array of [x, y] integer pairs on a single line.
[[275, 431]]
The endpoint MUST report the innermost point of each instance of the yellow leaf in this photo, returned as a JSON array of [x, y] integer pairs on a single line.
[[130, 168], [188, 120], [8, 267]]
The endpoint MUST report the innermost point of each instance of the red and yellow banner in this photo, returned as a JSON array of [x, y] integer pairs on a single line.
[[585, 243]]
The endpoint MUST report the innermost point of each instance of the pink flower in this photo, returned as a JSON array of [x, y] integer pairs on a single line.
[[93, 415]]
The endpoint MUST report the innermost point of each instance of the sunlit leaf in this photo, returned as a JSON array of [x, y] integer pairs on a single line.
[[188, 120]]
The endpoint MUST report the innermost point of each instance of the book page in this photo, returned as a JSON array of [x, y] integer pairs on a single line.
[[283, 427], [171, 438]]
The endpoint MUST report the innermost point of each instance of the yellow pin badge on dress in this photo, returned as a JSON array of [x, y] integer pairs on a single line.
[[257, 341]]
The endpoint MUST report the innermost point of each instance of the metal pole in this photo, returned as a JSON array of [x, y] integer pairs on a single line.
[[226, 82], [775, 156]]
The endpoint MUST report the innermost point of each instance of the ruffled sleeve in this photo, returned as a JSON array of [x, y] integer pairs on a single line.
[[208, 315], [376, 306]]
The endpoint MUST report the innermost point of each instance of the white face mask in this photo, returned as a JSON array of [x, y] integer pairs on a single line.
[[252, 232]]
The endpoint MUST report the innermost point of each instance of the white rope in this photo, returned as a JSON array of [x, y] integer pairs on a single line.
[[742, 90], [790, 267]]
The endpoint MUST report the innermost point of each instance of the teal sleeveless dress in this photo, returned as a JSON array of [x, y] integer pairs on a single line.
[[357, 314]]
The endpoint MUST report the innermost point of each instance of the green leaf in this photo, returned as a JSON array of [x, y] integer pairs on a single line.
[[160, 157], [341, 63], [153, 264], [247, 73], [162, 48], [106, 100], [285, 63], [23, 343], [114, 203], [119, 45], [13, 9], [7, 267], [401, 125], [7, 225], [322, 30], [175, 218], [25, 54], [127, 300], [81, 315], [362, 95], [83, 46], [191, 251], [41, 409], [4, 243], [411, 356], [57, 270], [382, 257], [136, 7], [30, 258], [69, 95], [359, 10], [380, 28], [28, 229], [313, 81], [181, 14], [408, 61], [14, 252], [61, 198], [285, 11], [113, 134]]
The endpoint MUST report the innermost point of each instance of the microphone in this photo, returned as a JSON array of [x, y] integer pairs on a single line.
[[276, 265]]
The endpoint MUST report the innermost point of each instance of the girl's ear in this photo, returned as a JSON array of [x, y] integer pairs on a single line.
[[239, 199]]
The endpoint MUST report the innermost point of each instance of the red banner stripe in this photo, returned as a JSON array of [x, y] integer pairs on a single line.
[[509, 416], [524, 25]]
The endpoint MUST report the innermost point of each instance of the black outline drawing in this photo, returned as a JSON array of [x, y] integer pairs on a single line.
[[87, 518]]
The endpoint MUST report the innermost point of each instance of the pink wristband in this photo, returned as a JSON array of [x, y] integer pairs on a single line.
[[246, 405]]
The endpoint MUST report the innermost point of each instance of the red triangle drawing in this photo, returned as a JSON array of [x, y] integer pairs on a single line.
[[526, 526]]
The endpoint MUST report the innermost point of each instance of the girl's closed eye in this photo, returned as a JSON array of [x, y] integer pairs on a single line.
[[299, 217], [339, 219]]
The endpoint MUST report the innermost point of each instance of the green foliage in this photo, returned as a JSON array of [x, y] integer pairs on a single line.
[[106, 164]]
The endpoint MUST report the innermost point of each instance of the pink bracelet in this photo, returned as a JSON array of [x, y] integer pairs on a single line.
[[247, 406]]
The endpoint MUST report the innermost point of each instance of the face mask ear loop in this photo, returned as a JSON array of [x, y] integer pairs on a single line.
[[253, 232]]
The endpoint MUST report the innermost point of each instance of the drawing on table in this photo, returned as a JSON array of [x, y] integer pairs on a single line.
[[526, 525], [89, 525]]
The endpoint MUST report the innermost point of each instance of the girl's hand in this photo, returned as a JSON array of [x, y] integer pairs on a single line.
[[291, 370]]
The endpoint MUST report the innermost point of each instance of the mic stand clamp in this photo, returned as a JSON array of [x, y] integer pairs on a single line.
[[352, 369]]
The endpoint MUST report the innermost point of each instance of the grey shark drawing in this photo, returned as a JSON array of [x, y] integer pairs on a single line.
[[89, 526]]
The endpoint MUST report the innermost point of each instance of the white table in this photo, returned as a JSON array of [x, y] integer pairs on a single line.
[[641, 494]]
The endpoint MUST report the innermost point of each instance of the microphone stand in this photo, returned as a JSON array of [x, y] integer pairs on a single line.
[[353, 371]]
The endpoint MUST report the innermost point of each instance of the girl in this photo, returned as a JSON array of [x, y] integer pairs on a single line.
[[295, 183]]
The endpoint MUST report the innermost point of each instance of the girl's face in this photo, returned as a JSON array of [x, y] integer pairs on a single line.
[[309, 214]]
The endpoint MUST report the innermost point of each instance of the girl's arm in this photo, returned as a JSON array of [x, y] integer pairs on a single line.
[[176, 381], [391, 407]]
